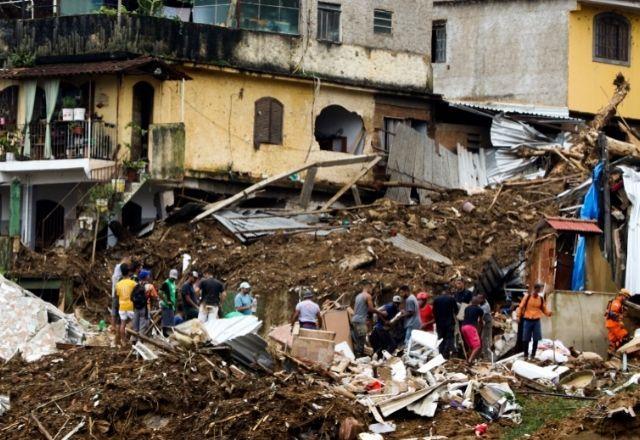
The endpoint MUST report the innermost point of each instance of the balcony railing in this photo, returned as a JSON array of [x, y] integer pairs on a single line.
[[69, 140]]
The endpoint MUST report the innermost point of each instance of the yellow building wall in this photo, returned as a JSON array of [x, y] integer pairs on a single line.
[[591, 82], [219, 117]]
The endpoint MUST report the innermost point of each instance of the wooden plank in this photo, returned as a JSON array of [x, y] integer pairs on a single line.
[[352, 182], [338, 321], [307, 188], [217, 206]]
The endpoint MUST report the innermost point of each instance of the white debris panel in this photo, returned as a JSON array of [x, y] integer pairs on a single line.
[[31, 326]]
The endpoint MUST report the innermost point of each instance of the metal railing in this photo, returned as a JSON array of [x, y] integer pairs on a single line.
[[70, 140]]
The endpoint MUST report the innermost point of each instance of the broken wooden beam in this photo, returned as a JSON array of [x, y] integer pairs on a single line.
[[217, 206], [307, 187], [352, 182]]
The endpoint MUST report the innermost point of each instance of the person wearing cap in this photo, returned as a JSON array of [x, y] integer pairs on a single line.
[[616, 332], [168, 301], [426, 311], [307, 313], [243, 301], [381, 337], [531, 309], [213, 294], [411, 313], [189, 298]]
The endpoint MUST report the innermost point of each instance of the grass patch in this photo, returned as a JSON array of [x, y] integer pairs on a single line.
[[538, 410]]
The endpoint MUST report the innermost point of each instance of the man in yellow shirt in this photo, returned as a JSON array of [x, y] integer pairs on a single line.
[[124, 288]]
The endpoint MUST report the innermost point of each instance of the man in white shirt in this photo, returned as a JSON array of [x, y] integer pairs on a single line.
[[307, 313]]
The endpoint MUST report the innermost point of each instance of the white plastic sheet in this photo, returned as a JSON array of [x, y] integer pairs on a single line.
[[632, 187]]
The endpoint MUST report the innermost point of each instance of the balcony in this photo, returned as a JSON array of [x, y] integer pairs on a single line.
[[82, 148]]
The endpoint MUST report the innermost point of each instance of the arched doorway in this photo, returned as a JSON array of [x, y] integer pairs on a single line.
[[132, 216], [49, 223], [141, 118], [338, 129]]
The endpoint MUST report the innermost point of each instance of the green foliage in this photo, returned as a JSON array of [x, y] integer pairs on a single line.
[[22, 58], [137, 165], [11, 142], [150, 7], [68, 102], [101, 191], [538, 410]]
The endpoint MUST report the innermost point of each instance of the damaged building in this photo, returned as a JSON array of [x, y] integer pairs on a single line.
[[205, 99]]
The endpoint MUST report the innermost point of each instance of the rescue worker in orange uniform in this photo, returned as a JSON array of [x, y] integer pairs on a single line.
[[614, 315]]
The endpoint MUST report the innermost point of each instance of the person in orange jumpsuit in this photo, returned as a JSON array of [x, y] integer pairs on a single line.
[[615, 327]]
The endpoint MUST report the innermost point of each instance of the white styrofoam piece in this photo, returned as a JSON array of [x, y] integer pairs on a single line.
[[433, 363], [344, 349]]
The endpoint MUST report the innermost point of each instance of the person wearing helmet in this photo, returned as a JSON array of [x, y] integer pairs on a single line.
[[243, 301], [616, 332], [168, 301], [381, 337], [426, 311], [307, 313]]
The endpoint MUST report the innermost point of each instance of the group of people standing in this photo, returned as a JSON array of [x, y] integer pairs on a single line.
[[134, 295]]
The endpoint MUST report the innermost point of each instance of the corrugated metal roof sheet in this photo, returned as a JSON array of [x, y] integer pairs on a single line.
[[523, 109], [141, 65], [573, 225]]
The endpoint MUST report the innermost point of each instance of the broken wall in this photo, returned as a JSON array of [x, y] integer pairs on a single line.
[[509, 51], [578, 319], [167, 145]]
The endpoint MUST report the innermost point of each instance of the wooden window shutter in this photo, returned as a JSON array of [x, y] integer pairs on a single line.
[[268, 118]]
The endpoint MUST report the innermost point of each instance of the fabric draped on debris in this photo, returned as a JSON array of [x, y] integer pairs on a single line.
[[590, 211]]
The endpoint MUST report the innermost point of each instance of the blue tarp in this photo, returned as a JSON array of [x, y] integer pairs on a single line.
[[590, 211]]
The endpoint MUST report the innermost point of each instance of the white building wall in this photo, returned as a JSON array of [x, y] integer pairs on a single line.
[[505, 51]]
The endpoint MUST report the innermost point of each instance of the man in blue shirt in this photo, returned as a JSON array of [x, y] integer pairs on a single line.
[[244, 301], [381, 338]]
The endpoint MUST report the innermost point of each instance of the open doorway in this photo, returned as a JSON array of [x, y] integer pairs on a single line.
[[338, 129], [141, 118], [49, 223], [132, 216]]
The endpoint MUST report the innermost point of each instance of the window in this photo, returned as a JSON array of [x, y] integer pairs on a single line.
[[329, 22], [611, 38], [279, 16], [439, 41], [267, 124], [382, 21], [211, 11]]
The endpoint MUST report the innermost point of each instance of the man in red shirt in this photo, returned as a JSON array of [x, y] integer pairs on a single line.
[[426, 311]]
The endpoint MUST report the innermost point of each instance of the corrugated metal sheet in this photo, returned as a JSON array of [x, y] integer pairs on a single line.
[[223, 330], [574, 225], [414, 247], [251, 224], [251, 351], [508, 133], [134, 66], [472, 169], [523, 109]]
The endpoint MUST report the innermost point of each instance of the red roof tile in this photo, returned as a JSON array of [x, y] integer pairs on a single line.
[[574, 225]]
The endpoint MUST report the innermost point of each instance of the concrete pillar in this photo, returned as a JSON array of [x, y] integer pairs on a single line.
[[27, 216]]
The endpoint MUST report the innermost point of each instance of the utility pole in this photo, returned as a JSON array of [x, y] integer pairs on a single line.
[[606, 198]]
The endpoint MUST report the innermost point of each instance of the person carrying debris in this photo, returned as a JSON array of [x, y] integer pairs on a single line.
[[243, 301], [124, 289], [473, 319], [532, 307], [189, 298], [411, 313], [115, 277], [168, 301], [426, 311], [616, 332], [212, 295], [445, 309], [381, 338], [362, 310], [307, 313]]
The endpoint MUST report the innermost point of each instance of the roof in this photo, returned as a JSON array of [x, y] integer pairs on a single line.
[[573, 225], [136, 66], [523, 109]]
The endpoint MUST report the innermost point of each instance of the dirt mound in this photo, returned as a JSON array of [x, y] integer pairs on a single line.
[[594, 421], [119, 396]]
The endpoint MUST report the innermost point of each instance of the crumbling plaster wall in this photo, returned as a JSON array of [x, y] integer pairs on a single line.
[[505, 51]]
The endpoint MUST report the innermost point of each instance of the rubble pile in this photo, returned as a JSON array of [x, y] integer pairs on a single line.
[[116, 394]]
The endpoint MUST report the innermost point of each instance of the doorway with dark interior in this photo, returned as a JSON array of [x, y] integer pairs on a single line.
[[49, 223], [141, 118], [132, 217]]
